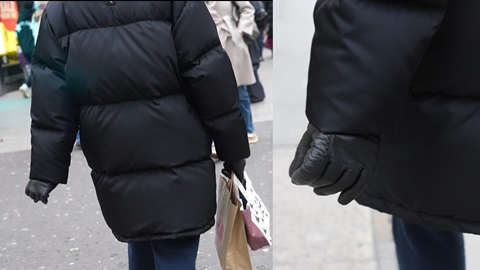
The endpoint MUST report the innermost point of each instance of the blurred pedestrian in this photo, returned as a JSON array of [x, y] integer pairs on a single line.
[[262, 20], [147, 118], [393, 102], [26, 44], [269, 39], [27, 32], [230, 31], [256, 91]]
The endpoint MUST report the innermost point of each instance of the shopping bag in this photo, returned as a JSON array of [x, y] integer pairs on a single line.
[[230, 237], [255, 215]]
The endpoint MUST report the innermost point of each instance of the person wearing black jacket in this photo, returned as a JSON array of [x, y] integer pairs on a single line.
[[150, 86], [393, 103]]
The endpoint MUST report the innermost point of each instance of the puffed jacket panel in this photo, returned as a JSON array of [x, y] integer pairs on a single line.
[[363, 55]]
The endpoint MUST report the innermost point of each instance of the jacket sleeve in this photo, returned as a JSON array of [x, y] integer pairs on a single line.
[[247, 16], [209, 80], [54, 115], [363, 56]]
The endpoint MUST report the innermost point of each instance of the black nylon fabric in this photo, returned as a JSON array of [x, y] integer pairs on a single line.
[[150, 87], [363, 55], [407, 71]]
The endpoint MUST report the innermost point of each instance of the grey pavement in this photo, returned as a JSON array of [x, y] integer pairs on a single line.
[[312, 232], [70, 232]]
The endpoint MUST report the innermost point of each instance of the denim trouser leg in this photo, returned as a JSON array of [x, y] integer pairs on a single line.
[[260, 40], [244, 103], [423, 248], [140, 256], [175, 254]]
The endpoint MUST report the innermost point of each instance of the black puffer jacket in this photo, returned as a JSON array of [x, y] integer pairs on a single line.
[[409, 71], [150, 86]]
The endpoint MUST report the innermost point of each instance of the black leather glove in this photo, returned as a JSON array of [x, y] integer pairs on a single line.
[[39, 190], [332, 163], [237, 166]]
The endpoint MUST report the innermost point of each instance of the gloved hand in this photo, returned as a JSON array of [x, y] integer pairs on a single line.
[[237, 166], [39, 190], [332, 163]]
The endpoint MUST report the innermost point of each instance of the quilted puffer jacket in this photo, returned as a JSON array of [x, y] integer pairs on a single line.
[[408, 71], [150, 87]]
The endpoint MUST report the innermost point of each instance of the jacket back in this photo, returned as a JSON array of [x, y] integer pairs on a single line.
[[451, 65], [150, 87]]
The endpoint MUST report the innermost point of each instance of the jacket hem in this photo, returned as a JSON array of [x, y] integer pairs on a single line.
[[448, 223], [164, 236]]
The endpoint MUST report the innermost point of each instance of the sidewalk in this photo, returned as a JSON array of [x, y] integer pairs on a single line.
[[70, 232]]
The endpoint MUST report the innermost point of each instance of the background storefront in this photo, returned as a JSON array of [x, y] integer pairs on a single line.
[[11, 74]]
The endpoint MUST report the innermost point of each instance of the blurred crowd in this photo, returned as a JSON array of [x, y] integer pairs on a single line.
[[245, 28]]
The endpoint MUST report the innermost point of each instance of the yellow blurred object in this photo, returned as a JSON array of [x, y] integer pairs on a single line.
[[8, 40], [8, 18], [3, 49]]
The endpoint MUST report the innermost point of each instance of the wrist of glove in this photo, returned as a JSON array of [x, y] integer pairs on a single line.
[[39, 190], [332, 163]]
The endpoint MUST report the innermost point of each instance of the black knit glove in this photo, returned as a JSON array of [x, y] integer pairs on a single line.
[[39, 190], [332, 163]]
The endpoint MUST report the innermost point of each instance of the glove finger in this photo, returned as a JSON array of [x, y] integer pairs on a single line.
[[302, 149], [297, 161], [226, 173], [44, 198], [310, 171], [344, 181], [239, 174], [36, 196], [31, 195], [314, 162], [330, 176], [353, 191], [27, 189]]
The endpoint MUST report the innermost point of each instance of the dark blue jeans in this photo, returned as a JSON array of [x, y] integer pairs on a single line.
[[175, 254], [423, 248], [244, 104], [260, 40]]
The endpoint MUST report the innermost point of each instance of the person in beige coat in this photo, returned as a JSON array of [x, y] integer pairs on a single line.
[[234, 19]]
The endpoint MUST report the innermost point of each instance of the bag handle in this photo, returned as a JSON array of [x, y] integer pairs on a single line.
[[229, 184], [241, 189]]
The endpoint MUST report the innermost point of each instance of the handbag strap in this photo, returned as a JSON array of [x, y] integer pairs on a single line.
[[240, 186]]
